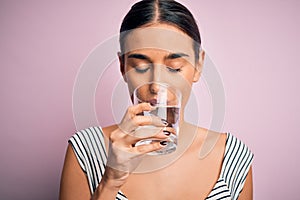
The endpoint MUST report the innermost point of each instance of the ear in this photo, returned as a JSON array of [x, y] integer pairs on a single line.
[[199, 66], [122, 65]]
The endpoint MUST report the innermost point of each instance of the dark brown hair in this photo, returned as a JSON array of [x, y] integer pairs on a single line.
[[161, 11]]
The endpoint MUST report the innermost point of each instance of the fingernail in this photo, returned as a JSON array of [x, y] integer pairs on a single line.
[[167, 133], [163, 143], [164, 122]]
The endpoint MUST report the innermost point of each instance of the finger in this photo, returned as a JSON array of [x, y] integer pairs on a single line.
[[132, 120], [138, 108], [147, 148], [139, 120], [158, 135], [169, 130], [133, 126]]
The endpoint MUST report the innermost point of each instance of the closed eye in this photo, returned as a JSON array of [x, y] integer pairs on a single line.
[[141, 70], [173, 70]]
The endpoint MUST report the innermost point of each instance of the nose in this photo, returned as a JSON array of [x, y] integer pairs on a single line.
[[156, 73], [154, 88], [156, 78]]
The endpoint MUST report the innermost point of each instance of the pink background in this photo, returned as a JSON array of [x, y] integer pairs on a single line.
[[254, 45]]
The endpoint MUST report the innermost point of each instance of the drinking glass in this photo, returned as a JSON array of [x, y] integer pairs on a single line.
[[166, 101]]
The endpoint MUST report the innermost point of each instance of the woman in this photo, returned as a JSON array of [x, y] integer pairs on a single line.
[[160, 42]]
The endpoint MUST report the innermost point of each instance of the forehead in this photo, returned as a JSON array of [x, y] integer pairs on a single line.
[[167, 38]]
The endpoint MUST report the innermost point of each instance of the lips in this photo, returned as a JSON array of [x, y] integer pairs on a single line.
[[153, 102]]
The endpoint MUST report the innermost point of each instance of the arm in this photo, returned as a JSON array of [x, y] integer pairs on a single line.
[[74, 184], [247, 192], [123, 157]]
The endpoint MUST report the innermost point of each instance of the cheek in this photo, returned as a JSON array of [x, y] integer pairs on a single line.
[[186, 79], [186, 91], [189, 73], [185, 85], [134, 79]]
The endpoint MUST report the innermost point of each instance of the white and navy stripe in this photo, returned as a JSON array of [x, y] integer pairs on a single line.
[[220, 191], [89, 148], [236, 164]]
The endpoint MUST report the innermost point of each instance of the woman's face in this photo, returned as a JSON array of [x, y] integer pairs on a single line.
[[160, 53]]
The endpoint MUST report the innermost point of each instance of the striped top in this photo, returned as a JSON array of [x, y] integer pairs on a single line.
[[89, 148]]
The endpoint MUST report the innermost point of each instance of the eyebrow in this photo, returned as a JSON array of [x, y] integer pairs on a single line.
[[139, 56], [144, 57], [176, 55]]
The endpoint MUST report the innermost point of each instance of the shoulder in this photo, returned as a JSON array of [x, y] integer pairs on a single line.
[[88, 144], [236, 146], [89, 140], [237, 154], [87, 132], [237, 162], [91, 134], [84, 138], [233, 149]]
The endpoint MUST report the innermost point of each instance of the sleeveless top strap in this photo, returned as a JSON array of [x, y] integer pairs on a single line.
[[236, 164], [90, 152], [88, 145]]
